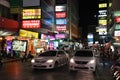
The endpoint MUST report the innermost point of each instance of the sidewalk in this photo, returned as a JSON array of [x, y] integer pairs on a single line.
[[6, 60]]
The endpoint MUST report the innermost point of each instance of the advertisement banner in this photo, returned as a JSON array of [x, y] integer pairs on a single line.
[[29, 34], [11, 25], [31, 14], [31, 23]]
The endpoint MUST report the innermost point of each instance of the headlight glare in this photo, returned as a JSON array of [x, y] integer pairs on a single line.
[[92, 61], [32, 61], [49, 61], [72, 60]]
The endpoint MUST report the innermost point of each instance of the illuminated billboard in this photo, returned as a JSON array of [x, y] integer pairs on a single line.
[[117, 26], [29, 34], [19, 45], [31, 14], [61, 21], [117, 33], [61, 28], [102, 13], [102, 31], [44, 36], [59, 36], [30, 23], [103, 5], [90, 38], [60, 8], [60, 14], [103, 22], [117, 19], [116, 13]]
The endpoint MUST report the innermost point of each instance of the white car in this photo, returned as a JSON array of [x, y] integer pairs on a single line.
[[50, 59], [83, 60]]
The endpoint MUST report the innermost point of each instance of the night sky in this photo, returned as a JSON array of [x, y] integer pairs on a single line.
[[87, 19], [88, 9]]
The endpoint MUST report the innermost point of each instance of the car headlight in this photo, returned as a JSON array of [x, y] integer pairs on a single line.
[[32, 61], [49, 61], [92, 61], [72, 60]]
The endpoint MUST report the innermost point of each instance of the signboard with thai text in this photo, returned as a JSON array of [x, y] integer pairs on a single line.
[[29, 34], [30, 23], [31, 14]]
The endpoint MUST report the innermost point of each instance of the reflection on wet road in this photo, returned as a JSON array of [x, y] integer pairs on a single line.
[[23, 71]]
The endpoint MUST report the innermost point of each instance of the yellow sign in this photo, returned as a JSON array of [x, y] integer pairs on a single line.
[[103, 5], [103, 22], [31, 14], [29, 34]]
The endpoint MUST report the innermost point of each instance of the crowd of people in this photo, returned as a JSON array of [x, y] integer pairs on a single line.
[[12, 54], [108, 57]]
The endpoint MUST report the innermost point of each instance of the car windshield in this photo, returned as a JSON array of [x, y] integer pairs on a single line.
[[84, 53], [48, 53]]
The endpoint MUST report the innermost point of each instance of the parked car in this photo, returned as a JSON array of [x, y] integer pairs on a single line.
[[83, 60], [50, 59]]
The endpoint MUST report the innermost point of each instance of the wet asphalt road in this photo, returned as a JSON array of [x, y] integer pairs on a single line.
[[23, 71]]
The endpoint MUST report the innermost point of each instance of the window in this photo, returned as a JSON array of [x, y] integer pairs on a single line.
[[84, 53]]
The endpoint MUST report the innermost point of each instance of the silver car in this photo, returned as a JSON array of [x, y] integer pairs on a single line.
[[50, 59]]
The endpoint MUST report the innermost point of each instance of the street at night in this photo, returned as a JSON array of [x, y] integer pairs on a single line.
[[23, 71], [59, 39]]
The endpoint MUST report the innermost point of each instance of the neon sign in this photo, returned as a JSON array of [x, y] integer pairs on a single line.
[[31, 24], [60, 14], [61, 28], [31, 14], [61, 21]]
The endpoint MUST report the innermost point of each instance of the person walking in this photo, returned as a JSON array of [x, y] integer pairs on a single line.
[[23, 57]]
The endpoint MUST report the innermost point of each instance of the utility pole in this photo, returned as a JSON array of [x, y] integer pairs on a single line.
[[69, 17]]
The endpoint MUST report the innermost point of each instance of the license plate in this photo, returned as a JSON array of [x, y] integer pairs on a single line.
[[81, 65]]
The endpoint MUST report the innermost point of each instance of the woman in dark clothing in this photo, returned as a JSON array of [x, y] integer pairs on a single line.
[[24, 57]]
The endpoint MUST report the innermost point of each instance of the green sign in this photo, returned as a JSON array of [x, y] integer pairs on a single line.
[[116, 13], [117, 26]]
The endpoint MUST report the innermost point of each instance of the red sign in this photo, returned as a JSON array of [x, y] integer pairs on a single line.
[[60, 14], [117, 19], [8, 24], [31, 24], [61, 28]]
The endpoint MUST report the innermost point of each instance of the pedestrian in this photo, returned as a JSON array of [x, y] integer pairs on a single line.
[[30, 56], [23, 57], [103, 56]]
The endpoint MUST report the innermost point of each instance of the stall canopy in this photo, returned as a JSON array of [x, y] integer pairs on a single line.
[[8, 26]]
